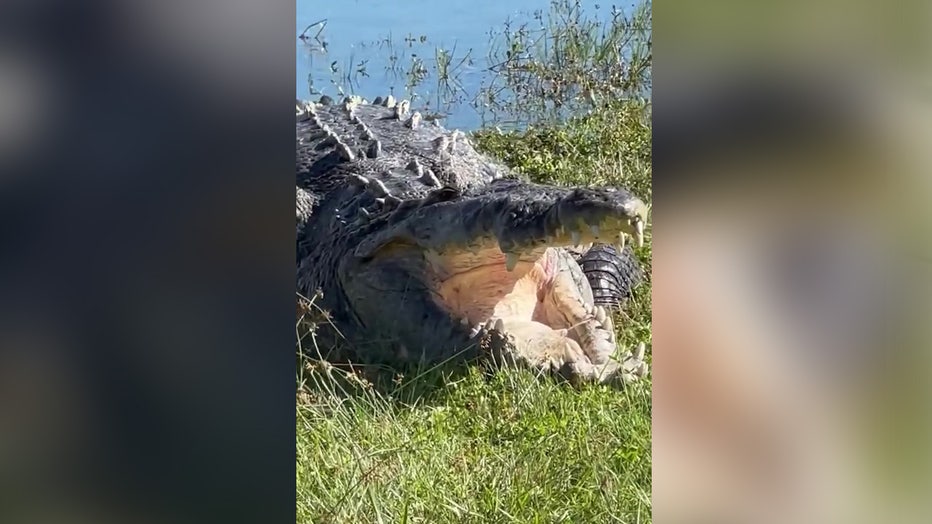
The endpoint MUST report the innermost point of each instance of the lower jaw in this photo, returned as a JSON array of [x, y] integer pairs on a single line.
[[535, 299]]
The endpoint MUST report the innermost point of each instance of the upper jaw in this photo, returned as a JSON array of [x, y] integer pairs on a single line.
[[529, 218], [579, 216]]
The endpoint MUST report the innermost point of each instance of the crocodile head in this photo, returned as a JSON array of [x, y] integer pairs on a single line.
[[486, 269]]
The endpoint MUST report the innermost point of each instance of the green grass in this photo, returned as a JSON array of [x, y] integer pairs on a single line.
[[505, 448], [469, 445]]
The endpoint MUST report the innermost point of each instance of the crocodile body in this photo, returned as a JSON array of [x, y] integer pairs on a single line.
[[426, 250]]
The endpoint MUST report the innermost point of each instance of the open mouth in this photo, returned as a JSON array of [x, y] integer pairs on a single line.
[[492, 260], [532, 291]]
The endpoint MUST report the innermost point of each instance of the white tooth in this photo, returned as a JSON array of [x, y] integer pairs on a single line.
[[639, 232], [576, 236], [511, 261], [600, 314], [500, 326], [595, 230], [642, 370], [464, 321], [639, 352], [608, 325], [622, 238]]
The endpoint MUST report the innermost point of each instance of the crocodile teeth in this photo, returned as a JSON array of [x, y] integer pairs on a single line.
[[620, 245], [511, 261], [595, 230], [499, 325], [464, 322], [639, 232], [576, 236], [389, 102], [607, 323], [639, 352], [600, 314]]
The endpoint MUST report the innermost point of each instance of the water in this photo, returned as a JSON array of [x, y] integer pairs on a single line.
[[373, 48]]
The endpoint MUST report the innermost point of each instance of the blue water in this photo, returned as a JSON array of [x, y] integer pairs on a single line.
[[351, 50]]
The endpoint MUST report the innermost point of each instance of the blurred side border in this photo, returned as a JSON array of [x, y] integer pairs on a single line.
[[146, 268]]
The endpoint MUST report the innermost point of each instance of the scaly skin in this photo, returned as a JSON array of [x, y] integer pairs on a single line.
[[426, 250], [611, 275]]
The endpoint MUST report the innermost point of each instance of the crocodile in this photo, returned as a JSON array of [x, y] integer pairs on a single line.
[[423, 250]]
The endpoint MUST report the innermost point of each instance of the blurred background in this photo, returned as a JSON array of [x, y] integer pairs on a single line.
[[791, 262], [144, 242]]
